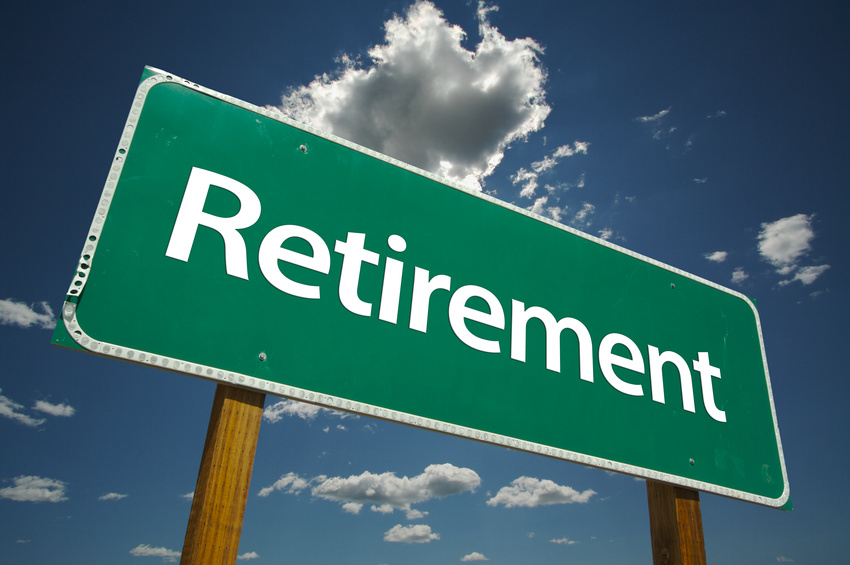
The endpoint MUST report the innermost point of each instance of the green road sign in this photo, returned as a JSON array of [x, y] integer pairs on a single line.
[[235, 245]]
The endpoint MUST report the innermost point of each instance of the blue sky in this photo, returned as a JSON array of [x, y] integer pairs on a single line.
[[712, 138]]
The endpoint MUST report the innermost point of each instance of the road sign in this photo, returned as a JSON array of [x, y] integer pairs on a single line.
[[233, 244]]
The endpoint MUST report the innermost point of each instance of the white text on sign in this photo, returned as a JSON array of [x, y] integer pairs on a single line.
[[353, 250]]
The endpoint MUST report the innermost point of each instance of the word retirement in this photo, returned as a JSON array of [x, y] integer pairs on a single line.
[[191, 215]]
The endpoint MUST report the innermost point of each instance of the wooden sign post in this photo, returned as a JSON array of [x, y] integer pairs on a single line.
[[215, 521], [675, 524]]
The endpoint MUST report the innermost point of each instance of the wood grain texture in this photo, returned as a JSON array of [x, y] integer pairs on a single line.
[[215, 521], [675, 524]]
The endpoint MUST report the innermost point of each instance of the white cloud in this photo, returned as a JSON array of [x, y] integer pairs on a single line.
[[545, 164], [739, 275], [783, 242], [660, 131], [387, 492], [563, 541], [579, 147], [420, 533], [582, 217], [654, 117], [539, 206], [474, 556], [21, 314], [531, 492], [63, 410], [168, 555], [807, 275], [717, 256], [528, 180], [188, 495], [278, 410], [428, 101], [112, 496], [352, 507], [30, 488], [549, 162], [12, 410], [290, 482], [414, 514], [248, 555], [606, 233], [556, 212], [783, 559]]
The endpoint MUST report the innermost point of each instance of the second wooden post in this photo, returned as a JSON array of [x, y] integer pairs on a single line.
[[215, 521], [675, 524]]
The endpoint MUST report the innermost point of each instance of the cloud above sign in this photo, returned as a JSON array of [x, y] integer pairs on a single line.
[[427, 100]]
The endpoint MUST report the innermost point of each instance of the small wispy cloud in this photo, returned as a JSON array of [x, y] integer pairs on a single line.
[[716, 256], [806, 275], [654, 117], [529, 180], [14, 411], [248, 555], [541, 209], [276, 412], [25, 315], [59, 410], [419, 533], [563, 541], [112, 496], [739, 275], [289, 483], [474, 556], [145, 550], [582, 219]]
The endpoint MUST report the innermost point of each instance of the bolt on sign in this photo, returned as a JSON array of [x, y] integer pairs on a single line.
[[233, 244]]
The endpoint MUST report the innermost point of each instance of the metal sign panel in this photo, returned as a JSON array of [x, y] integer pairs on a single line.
[[233, 244]]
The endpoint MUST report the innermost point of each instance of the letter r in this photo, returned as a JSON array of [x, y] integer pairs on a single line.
[[191, 215]]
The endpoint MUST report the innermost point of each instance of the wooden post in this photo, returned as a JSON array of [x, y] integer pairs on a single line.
[[675, 524], [215, 521]]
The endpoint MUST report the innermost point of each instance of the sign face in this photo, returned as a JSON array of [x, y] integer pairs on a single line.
[[235, 245]]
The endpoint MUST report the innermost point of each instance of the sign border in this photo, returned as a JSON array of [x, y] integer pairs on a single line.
[[70, 333]]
